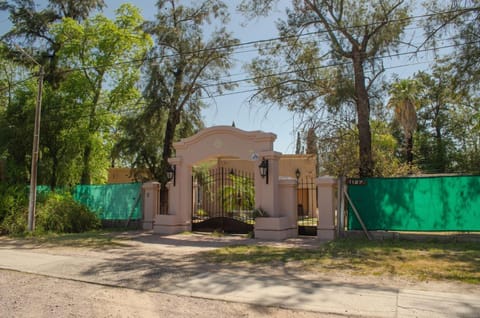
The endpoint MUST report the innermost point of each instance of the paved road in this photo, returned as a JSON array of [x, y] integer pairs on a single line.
[[164, 271]]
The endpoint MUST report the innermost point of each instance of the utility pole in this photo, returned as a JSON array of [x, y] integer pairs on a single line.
[[36, 140]]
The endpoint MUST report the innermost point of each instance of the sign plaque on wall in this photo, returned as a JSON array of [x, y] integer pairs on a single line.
[[355, 181]]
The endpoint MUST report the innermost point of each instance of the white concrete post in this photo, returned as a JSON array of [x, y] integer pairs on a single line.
[[184, 198], [283, 224], [179, 202], [277, 199], [326, 208], [266, 195], [151, 204], [288, 204], [175, 191]]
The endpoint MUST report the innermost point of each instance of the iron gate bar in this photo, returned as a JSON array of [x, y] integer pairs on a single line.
[[307, 211], [223, 199]]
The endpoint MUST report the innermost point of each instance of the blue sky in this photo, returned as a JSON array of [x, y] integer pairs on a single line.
[[234, 106]]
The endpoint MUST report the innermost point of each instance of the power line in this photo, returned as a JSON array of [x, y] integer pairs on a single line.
[[328, 66], [284, 72], [130, 110], [136, 109], [249, 79], [5, 88], [256, 42]]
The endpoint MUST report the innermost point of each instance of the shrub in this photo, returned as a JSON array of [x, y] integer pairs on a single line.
[[55, 212], [13, 209], [60, 213]]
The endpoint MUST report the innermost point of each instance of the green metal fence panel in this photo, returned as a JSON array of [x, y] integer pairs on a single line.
[[44, 189], [111, 201], [416, 204]]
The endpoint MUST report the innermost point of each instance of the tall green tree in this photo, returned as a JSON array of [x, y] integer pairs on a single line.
[[404, 100], [434, 140], [459, 23], [345, 39], [339, 158], [185, 66], [107, 54], [448, 137], [16, 130], [93, 83], [31, 29]]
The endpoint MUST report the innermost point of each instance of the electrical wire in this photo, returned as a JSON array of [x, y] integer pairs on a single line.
[[250, 43], [255, 89], [273, 39]]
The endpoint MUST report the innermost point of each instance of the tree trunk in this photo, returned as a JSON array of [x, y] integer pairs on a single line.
[[172, 122], [86, 177], [53, 177], [440, 160], [409, 150], [92, 128], [363, 116]]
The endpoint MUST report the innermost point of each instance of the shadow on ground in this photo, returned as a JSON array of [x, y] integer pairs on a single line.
[[177, 264]]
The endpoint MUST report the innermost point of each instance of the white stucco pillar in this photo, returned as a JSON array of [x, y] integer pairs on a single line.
[[288, 204], [151, 203], [326, 207], [277, 198], [283, 224], [178, 218], [175, 187], [266, 194]]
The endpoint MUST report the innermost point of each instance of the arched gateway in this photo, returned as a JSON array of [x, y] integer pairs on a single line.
[[275, 196]]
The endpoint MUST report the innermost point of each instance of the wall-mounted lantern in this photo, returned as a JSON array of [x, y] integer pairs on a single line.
[[171, 173], [263, 167], [297, 174]]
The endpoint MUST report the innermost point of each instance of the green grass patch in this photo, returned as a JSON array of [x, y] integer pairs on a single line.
[[417, 260], [93, 239]]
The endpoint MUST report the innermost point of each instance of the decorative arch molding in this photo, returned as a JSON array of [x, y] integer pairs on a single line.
[[231, 142], [223, 141]]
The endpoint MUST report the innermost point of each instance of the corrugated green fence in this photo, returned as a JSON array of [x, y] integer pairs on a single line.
[[109, 201], [416, 204]]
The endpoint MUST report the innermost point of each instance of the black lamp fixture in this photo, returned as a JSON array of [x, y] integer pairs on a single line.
[[297, 174], [171, 173], [263, 167]]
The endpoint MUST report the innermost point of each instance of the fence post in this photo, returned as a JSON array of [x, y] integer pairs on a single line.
[[341, 207], [326, 208], [151, 204]]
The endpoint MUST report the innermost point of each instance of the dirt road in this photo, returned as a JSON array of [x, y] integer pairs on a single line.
[[144, 275], [28, 295]]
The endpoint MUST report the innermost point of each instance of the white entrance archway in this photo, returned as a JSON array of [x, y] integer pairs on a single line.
[[277, 197], [225, 141]]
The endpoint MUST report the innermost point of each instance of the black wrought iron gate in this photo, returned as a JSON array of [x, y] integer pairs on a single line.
[[307, 210], [223, 200]]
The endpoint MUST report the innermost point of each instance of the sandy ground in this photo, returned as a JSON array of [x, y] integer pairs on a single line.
[[27, 295], [161, 261]]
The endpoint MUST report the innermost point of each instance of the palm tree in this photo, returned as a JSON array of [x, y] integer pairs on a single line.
[[404, 101]]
